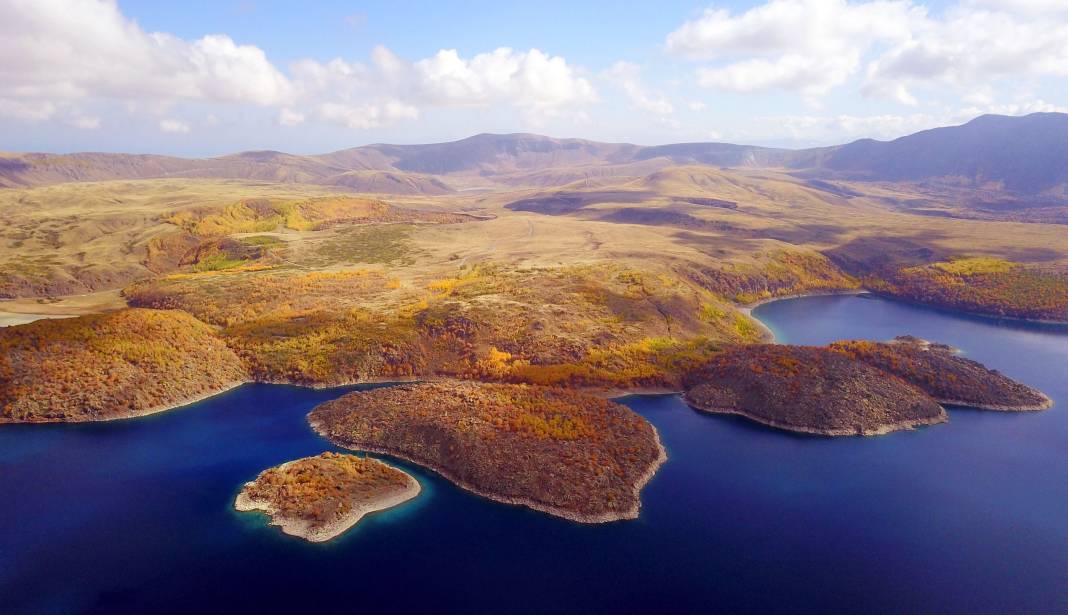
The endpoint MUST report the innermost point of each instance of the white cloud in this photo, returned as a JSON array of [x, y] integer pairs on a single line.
[[71, 50], [1032, 7], [808, 46], [85, 122], [61, 53], [391, 89], [834, 129], [814, 46], [971, 48], [1034, 106], [30, 111], [696, 105], [525, 79], [627, 76], [370, 115], [289, 117], [173, 125]]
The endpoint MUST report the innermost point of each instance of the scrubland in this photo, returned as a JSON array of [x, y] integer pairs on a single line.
[[626, 282]]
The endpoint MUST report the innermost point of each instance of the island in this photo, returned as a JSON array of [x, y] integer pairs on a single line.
[[809, 390], [318, 498], [944, 375], [559, 451]]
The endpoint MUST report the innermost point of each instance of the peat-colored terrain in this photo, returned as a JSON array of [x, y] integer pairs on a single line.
[[555, 450], [107, 366], [317, 498], [942, 374], [851, 387], [990, 286], [809, 390]]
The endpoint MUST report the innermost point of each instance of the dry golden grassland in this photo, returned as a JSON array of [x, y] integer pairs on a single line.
[[620, 282]]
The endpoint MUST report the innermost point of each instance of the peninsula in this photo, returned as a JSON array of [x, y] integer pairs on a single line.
[[852, 387], [950, 379], [809, 390], [318, 498]]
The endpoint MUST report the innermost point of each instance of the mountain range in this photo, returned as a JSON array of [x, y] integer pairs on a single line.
[[1013, 155]]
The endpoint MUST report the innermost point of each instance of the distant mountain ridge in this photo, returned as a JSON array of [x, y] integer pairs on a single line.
[[1027, 155]]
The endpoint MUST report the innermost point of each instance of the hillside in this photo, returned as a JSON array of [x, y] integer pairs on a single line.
[[110, 366], [994, 155], [1022, 154], [809, 390], [851, 387]]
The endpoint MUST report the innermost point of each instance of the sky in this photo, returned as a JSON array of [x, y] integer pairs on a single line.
[[208, 78]]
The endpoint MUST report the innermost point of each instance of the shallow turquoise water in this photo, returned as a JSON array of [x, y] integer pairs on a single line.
[[970, 516]]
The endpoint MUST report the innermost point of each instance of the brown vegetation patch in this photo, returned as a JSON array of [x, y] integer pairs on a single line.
[[262, 214], [981, 285], [780, 273], [581, 326], [319, 497], [811, 390], [113, 365], [555, 450], [949, 378]]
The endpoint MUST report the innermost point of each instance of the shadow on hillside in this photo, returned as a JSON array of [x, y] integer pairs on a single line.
[[564, 203], [867, 254]]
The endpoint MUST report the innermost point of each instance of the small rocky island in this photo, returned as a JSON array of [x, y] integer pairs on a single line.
[[852, 387], [318, 498], [569, 454]]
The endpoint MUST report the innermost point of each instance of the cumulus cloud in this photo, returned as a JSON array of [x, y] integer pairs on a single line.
[[26, 111], [893, 46], [971, 47], [69, 50], [525, 79], [289, 117], [174, 126], [369, 115], [1033, 7], [810, 46], [59, 53], [627, 76], [85, 122], [390, 88]]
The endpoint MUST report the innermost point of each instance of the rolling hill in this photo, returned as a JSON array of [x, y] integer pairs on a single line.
[[1023, 154], [995, 154]]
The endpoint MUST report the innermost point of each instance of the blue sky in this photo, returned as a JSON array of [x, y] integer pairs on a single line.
[[205, 78]]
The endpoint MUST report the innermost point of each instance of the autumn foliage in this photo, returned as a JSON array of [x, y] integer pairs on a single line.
[[808, 389], [553, 449], [579, 326], [943, 374], [111, 365], [981, 285], [320, 489]]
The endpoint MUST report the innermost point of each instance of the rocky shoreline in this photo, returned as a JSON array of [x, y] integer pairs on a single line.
[[631, 513], [879, 431], [314, 530], [570, 454]]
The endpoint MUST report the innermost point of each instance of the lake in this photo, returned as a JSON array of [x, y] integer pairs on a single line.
[[971, 516]]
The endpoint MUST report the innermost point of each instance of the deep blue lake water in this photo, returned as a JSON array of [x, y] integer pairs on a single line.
[[966, 517]]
